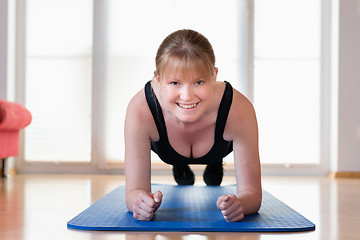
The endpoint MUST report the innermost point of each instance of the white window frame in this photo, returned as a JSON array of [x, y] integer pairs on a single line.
[[99, 164]]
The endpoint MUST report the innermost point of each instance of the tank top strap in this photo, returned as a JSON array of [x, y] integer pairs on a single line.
[[155, 109], [223, 112]]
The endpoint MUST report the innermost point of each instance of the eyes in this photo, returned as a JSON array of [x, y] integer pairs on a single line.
[[197, 83], [174, 83]]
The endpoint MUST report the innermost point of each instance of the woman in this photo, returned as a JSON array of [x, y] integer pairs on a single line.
[[187, 117]]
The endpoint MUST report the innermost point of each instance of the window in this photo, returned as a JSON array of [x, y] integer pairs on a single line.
[[58, 80], [287, 80], [82, 70], [132, 49]]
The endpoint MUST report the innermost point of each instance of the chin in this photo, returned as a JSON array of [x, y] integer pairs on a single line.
[[188, 116], [187, 119]]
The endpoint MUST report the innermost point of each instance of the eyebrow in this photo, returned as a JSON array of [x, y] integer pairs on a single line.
[[196, 79]]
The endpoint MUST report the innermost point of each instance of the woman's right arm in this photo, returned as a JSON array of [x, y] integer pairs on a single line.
[[138, 129]]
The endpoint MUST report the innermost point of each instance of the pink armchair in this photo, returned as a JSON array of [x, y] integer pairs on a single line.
[[13, 118]]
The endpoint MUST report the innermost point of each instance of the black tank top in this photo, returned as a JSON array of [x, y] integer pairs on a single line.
[[164, 150]]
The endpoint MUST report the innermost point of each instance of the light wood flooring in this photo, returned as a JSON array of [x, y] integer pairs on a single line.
[[39, 206]]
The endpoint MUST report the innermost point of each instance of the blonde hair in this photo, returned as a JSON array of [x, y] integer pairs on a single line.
[[189, 50]]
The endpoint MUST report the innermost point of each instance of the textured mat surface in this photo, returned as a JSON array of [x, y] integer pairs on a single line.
[[189, 209]]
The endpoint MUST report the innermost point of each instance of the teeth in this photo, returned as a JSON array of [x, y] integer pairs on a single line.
[[187, 106]]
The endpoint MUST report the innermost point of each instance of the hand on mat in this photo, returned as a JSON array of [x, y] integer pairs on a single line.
[[230, 207], [146, 205]]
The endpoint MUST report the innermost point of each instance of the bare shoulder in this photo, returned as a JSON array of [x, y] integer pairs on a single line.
[[139, 117], [136, 109], [242, 117]]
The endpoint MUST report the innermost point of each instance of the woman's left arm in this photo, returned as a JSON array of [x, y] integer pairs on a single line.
[[242, 129]]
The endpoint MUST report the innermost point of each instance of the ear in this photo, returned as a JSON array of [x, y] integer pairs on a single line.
[[214, 77], [156, 77]]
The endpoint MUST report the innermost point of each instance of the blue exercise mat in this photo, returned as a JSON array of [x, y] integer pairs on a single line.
[[189, 209]]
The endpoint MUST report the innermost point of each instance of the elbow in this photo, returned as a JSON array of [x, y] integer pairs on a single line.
[[257, 206], [258, 202], [253, 204]]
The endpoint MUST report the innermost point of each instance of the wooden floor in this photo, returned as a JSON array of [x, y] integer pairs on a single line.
[[39, 206]]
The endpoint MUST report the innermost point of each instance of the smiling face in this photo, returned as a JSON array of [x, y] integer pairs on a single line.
[[185, 92]]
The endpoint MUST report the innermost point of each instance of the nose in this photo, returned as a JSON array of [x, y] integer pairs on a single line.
[[186, 93]]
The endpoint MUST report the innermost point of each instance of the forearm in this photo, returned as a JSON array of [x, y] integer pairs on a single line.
[[250, 201]]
